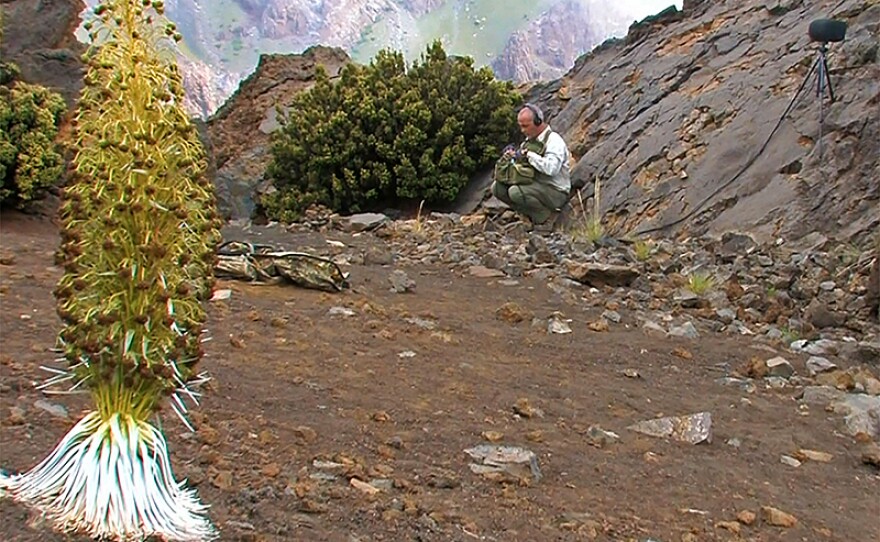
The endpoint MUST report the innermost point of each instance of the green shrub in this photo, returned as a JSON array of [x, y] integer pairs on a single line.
[[382, 134], [30, 160]]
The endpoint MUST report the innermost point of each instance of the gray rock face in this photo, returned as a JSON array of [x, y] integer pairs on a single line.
[[42, 44], [672, 120]]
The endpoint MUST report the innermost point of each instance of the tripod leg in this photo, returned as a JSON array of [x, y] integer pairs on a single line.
[[827, 78]]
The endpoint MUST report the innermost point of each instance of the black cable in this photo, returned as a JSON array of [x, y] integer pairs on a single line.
[[747, 165]]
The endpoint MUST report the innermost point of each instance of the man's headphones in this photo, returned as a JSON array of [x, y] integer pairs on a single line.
[[537, 114]]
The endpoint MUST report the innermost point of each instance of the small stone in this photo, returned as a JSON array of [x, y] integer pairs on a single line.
[[558, 324], [790, 461], [52, 408], [16, 416], [871, 455], [305, 434], [7, 258], [682, 353], [599, 275], [731, 526], [779, 367], [340, 311], [493, 436], [483, 272], [599, 326], [362, 222], [400, 282], [686, 330], [505, 463], [818, 364], [364, 486], [746, 517], [599, 437], [653, 329], [612, 316], [512, 313], [535, 436], [271, 470], [693, 429], [380, 416], [631, 373], [223, 480], [221, 295], [813, 455], [777, 517], [525, 409], [725, 315]]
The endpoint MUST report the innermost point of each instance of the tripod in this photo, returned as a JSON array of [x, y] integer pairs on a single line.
[[822, 79]]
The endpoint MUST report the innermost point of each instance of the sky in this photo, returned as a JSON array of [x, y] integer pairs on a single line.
[[643, 8]]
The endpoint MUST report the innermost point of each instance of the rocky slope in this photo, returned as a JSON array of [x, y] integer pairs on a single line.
[[39, 37], [675, 120]]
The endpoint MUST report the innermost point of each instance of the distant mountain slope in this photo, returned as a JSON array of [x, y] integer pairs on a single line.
[[520, 39]]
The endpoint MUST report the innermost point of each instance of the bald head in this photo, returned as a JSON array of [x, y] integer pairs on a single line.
[[531, 121]]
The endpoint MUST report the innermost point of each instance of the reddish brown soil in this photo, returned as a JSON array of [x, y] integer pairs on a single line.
[[293, 383]]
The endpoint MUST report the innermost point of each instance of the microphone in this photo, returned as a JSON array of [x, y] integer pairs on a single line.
[[827, 30]]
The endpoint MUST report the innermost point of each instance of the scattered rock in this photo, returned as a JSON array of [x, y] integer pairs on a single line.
[[16, 416], [52, 408], [693, 429], [340, 311], [512, 313], [862, 413], [777, 518], [400, 282], [493, 436], [790, 461], [484, 272], [558, 324], [813, 455], [525, 409], [731, 526], [599, 437], [746, 517], [221, 295], [871, 455], [364, 486], [818, 364], [305, 434], [361, 222], [599, 275], [682, 353], [505, 463], [223, 481], [686, 330], [599, 326], [779, 367]]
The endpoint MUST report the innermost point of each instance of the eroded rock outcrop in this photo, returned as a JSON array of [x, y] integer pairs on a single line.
[[238, 134], [39, 37]]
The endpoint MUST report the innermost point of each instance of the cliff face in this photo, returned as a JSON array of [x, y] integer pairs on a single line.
[[547, 48], [39, 37], [676, 119]]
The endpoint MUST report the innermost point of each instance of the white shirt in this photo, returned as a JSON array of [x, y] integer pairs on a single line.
[[555, 161]]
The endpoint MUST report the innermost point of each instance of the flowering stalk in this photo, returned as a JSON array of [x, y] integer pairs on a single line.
[[139, 234]]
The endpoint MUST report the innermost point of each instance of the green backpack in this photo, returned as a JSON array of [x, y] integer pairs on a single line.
[[518, 170]]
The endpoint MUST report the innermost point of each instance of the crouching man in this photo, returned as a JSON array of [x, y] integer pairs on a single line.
[[535, 179]]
